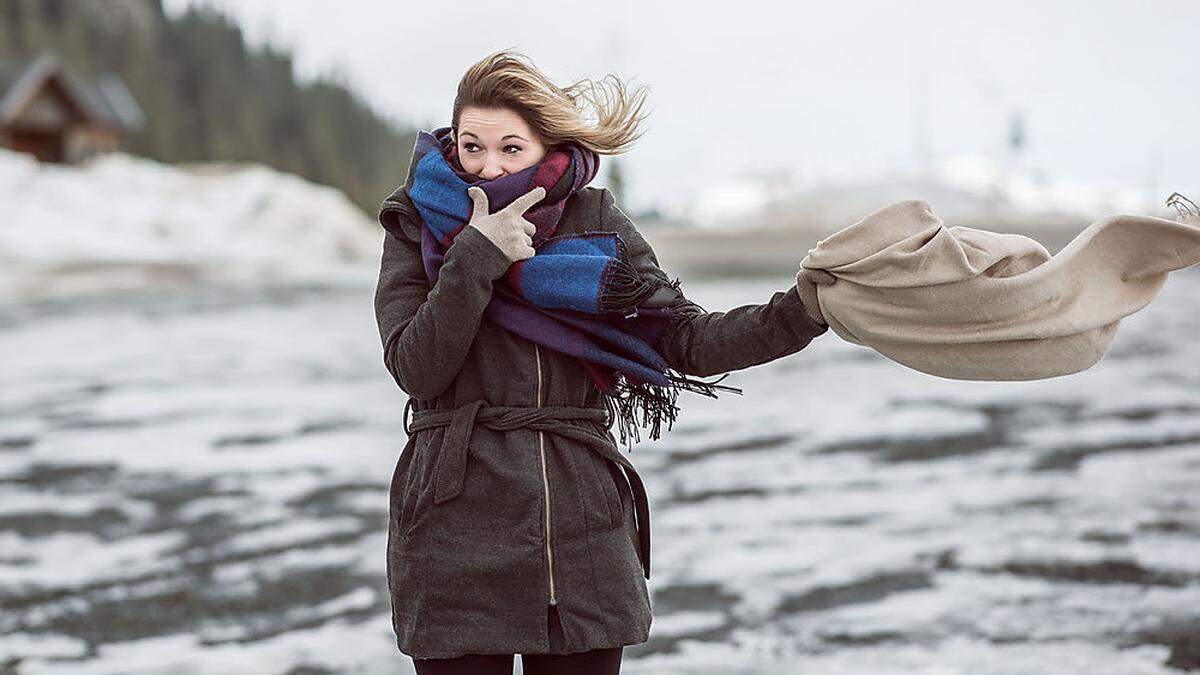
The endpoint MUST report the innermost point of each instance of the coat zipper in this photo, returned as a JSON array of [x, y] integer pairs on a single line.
[[545, 480]]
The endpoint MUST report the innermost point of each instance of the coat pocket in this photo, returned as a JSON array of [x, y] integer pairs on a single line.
[[419, 486], [612, 479], [400, 494]]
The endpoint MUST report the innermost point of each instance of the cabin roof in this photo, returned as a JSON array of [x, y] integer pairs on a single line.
[[105, 101]]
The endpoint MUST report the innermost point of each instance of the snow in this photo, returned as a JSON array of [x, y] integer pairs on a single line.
[[787, 537], [133, 220], [961, 189]]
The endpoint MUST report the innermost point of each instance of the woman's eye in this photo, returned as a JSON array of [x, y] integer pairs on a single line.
[[471, 147]]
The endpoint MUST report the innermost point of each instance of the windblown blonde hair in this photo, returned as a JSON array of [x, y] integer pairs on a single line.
[[508, 79]]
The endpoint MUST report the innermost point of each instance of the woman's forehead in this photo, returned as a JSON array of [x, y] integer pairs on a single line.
[[492, 122]]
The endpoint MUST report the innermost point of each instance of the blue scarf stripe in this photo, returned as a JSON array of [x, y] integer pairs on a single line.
[[603, 244], [440, 196], [563, 281]]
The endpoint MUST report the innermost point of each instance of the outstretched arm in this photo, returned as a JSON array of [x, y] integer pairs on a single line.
[[706, 343], [428, 330]]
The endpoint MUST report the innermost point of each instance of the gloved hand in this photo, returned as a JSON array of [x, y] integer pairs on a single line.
[[806, 284], [506, 228]]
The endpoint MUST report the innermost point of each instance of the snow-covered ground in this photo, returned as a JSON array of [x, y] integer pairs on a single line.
[[193, 475], [126, 221], [208, 494]]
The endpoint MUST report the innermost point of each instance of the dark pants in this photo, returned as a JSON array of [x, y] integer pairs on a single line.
[[595, 662]]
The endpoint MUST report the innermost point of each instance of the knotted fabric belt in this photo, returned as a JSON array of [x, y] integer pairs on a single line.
[[451, 465]]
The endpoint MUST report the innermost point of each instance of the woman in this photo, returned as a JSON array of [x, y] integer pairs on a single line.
[[516, 525]]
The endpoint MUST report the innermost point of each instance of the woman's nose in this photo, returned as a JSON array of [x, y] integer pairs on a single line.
[[491, 169]]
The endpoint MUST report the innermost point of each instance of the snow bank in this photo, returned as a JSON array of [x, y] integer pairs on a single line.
[[960, 189], [125, 220]]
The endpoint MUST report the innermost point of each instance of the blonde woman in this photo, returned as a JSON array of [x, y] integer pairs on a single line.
[[523, 314]]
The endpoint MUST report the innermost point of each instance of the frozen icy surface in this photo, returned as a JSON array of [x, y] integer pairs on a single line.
[[196, 482]]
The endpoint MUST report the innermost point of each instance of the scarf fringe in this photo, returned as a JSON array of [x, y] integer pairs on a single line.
[[656, 403], [622, 289]]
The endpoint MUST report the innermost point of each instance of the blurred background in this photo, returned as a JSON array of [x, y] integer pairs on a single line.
[[197, 431]]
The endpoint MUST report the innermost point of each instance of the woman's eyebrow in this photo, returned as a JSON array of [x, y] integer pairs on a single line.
[[468, 133]]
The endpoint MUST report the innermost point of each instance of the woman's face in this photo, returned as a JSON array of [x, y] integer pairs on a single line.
[[495, 142]]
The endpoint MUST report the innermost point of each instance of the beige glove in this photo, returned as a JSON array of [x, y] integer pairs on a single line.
[[806, 285], [506, 228]]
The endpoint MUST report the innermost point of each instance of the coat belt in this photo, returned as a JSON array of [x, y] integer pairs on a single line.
[[451, 464]]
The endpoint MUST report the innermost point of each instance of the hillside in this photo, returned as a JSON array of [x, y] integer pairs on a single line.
[[208, 96]]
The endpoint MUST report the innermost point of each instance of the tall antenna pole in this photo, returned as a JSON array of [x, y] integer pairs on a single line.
[[616, 60], [919, 94]]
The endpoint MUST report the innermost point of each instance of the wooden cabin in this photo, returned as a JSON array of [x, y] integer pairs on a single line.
[[48, 111]]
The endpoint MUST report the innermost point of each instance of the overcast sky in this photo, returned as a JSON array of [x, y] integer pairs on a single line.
[[1110, 90]]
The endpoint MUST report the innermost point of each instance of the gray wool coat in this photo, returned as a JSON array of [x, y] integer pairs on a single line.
[[491, 526]]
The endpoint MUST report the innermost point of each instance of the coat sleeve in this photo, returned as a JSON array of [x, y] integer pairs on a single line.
[[428, 330], [706, 343]]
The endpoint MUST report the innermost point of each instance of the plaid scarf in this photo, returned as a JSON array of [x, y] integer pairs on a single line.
[[578, 294]]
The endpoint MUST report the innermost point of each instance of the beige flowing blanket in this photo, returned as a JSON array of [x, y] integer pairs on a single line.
[[969, 304]]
